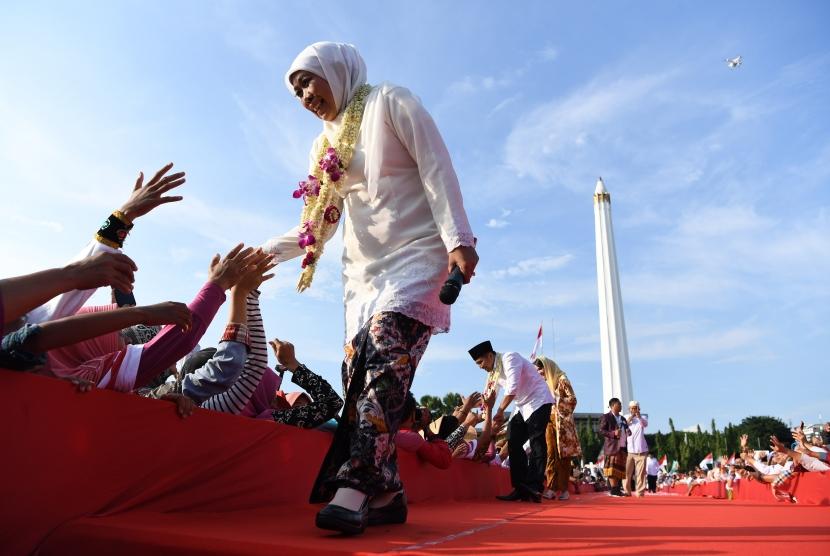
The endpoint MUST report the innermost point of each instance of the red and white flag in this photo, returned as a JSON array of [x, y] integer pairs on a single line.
[[707, 461], [731, 459], [537, 347], [664, 461], [601, 459]]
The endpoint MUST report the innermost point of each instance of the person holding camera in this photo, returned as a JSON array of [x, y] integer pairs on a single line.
[[430, 448], [635, 466]]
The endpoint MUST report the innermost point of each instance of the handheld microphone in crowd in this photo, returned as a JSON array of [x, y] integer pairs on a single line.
[[452, 287]]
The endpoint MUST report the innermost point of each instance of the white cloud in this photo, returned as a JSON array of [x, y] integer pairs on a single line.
[[277, 134], [704, 345], [535, 265], [496, 223], [541, 144], [504, 104], [549, 53]]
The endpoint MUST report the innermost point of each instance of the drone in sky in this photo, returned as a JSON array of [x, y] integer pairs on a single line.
[[734, 63]]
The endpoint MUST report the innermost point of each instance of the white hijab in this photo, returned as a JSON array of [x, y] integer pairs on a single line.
[[343, 67], [338, 63]]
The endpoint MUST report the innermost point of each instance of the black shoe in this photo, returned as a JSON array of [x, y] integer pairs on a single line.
[[530, 495], [512, 497], [338, 518], [392, 513]]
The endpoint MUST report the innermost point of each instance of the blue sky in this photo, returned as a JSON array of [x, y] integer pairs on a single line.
[[719, 178]]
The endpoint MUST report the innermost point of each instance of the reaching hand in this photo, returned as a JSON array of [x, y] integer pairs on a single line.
[[744, 440], [464, 258], [146, 198], [471, 420], [102, 269], [228, 271], [81, 384], [184, 405], [498, 419], [776, 444], [471, 401], [490, 400], [259, 264], [799, 435], [168, 312], [285, 354]]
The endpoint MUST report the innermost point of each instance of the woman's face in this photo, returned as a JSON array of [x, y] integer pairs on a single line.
[[314, 94]]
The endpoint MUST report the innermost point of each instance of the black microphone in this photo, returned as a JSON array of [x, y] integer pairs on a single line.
[[452, 287]]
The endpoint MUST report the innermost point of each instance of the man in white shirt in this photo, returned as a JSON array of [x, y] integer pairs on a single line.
[[652, 471], [635, 466], [522, 385]]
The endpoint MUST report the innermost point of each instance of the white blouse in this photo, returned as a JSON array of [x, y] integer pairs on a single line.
[[403, 213]]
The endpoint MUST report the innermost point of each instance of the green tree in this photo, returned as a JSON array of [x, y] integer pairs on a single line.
[[590, 442], [760, 428], [659, 445], [675, 442], [451, 401], [441, 406]]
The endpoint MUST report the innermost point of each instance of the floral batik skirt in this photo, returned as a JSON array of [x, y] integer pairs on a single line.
[[377, 373]]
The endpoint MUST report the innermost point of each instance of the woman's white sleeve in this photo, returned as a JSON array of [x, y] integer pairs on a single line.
[[420, 136], [67, 304]]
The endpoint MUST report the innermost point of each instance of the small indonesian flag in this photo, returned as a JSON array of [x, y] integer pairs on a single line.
[[731, 459], [601, 459], [707, 461], [664, 461], [537, 347]]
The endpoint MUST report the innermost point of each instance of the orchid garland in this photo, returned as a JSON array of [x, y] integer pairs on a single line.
[[322, 202]]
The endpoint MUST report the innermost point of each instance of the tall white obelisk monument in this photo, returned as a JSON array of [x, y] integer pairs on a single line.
[[616, 374]]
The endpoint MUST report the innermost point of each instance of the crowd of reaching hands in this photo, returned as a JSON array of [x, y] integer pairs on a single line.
[[776, 467], [153, 350], [156, 351]]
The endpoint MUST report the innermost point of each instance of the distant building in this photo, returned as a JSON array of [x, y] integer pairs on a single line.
[[582, 420]]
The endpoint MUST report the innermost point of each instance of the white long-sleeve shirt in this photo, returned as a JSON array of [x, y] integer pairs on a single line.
[[637, 439], [521, 379], [403, 214], [774, 469]]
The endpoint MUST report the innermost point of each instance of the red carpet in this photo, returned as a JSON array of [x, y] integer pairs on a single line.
[[108, 473], [588, 524]]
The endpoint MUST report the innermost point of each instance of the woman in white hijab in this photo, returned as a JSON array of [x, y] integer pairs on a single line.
[[404, 228]]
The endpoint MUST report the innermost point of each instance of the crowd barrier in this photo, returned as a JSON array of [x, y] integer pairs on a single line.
[[68, 455], [809, 488]]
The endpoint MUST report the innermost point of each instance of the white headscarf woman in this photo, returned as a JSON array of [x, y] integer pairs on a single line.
[[338, 63], [404, 225], [341, 65]]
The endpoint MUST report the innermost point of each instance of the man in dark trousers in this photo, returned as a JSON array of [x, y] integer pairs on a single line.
[[522, 385], [614, 428]]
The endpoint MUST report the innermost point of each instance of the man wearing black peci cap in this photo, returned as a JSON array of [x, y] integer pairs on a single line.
[[522, 385]]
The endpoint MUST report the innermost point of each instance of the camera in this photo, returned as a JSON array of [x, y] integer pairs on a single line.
[[419, 414]]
